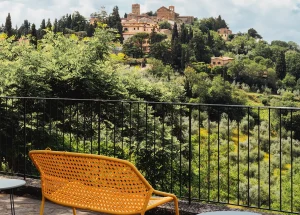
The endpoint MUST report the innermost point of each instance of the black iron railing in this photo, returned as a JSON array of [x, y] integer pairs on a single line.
[[239, 155]]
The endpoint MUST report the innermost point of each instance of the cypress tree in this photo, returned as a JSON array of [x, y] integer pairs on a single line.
[[174, 32], [114, 21], [281, 65], [42, 28], [33, 33], [49, 25], [8, 26], [55, 26]]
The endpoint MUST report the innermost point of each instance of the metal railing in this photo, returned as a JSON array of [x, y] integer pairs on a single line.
[[239, 155]]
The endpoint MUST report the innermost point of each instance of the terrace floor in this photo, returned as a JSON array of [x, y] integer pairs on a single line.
[[28, 200]]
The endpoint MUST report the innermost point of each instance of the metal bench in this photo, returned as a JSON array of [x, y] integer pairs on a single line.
[[96, 183]]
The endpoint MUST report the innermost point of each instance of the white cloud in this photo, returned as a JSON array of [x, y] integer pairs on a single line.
[[273, 19]]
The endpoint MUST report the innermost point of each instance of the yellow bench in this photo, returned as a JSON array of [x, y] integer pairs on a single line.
[[96, 183]]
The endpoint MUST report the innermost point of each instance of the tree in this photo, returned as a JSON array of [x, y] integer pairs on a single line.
[[293, 63], [156, 37], [253, 33], [134, 45], [55, 26], [33, 39], [176, 53], [174, 32], [183, 34], [161, 51], [165, 25], [114, 21], [280, 66], [42, 28], [125, 15], [197, 45], [8, 26], [49, 25]]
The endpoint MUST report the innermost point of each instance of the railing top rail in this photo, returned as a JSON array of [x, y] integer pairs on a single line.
[[151, 102]]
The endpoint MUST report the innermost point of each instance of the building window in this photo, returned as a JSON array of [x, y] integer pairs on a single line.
[[219, 62], [138, 28], [214, 63], [133, 28]]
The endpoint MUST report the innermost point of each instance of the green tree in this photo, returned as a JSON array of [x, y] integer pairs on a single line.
[[8, 26], [55, 26], [200, 51], [165, 25], [114, 21], [174, 32], [293, 63], [49, 25], [281, 66], [33, 33], [161, 51], [125, 15], [253, 33], [134, 45], [42, 28], [176, 52]]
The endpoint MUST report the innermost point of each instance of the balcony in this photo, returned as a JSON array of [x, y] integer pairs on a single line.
[[233, 155]]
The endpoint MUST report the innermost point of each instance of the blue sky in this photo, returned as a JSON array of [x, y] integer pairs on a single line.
[[273, 19]]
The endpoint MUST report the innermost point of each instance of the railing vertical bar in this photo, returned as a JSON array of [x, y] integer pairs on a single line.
[[50, 118], [115, 122], [258, 141], [228, 157], [146, 139], [280, 159], [12, 140], [84, 125], [154, 143], [106, 130], [292, 192], [199, 150], [77, 126], [92, 121], [99, 128], [218, 114], [56, 127], [180, 151], [190, 155], [25, 152], [269, 159], [248, 160], [122, 129], [44, 122], [163, 140], [6, 129], [238, 162], [70, 121], [130, 130], [208, 156], [138, 129], [172, 145], [64, 126]]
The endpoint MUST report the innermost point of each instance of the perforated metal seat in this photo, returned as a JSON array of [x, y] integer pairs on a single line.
[[96, 183]]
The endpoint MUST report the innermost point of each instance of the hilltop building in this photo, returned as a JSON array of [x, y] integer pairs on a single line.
[[220, 61], [163, 13], [224, 33]]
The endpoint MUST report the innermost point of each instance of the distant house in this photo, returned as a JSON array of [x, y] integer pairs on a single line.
[[220, 61], [224, 33]]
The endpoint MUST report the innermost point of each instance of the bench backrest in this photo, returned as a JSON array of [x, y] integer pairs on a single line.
[[100, 172]]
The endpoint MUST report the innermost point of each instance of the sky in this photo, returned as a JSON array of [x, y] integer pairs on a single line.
[[273, 19]]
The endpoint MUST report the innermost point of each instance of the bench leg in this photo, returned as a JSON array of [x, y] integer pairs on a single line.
[[74, 211], [42, 206], [176, 206]]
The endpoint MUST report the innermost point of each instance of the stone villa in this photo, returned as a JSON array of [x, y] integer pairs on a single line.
[[224, 33], [220, 61]]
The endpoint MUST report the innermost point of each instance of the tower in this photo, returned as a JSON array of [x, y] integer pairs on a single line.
[[136, 9], [172, 8]]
